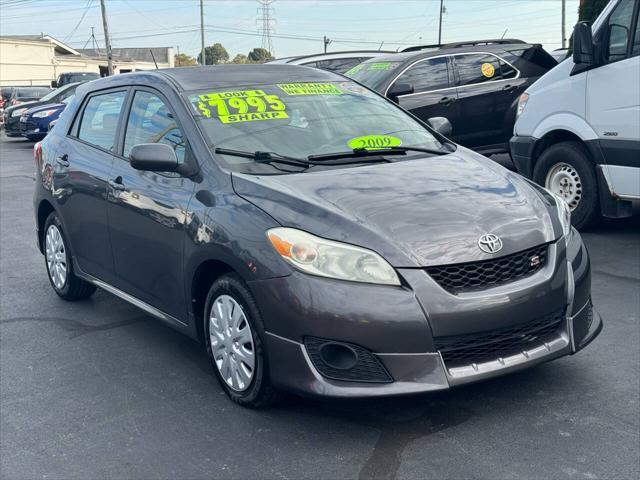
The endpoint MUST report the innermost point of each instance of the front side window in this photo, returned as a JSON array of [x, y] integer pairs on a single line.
[[635, 47], [431, 74], [619, 31], [151, 121], [99, 120], [477, 68], [302, 119]]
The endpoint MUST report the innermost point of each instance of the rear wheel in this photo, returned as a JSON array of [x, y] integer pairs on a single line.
[[234, 334], [566, 169], [59, 265]]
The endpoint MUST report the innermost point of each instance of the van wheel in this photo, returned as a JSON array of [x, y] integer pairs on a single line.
[[59, 265], [233, 333], [566, 169]]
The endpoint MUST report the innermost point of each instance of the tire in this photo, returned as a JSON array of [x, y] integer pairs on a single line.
[[70, 288], [257, 390], [569, 162]]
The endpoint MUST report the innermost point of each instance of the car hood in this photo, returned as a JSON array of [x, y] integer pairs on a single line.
[[46, 106], [31, 104], [415, 213]]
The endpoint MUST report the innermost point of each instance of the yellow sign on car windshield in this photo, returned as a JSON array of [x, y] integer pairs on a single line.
[[240, 106], [374, 142], [309, 89]]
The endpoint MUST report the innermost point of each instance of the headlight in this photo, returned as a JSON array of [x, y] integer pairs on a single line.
[[43, 114], [522, 102], [564, 212], [17, 112], [327, 258]]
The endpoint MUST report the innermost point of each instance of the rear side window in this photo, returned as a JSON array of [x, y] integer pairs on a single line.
[[99, 120], [431, 74], [480, 69], [151, 121]]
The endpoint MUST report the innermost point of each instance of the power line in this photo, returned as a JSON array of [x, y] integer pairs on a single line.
[[84, 14]]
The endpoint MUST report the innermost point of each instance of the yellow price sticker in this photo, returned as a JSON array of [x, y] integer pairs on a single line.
[[309, 89], [240, 106], [488, 70], [374, 142]]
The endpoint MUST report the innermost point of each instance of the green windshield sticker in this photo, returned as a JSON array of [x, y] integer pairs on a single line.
[[309, 89], [240, 106], [380, 66], [374, 142], [354, 70]]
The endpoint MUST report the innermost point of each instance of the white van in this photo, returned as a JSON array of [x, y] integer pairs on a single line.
[[578, 127]]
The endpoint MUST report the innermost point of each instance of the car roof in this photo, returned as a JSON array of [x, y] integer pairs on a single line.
[[215, 77], [437, 52], [332, 55]]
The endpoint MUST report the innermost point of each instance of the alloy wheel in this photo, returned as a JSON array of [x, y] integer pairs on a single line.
[[564, 180], [56, 254], [231, 343]]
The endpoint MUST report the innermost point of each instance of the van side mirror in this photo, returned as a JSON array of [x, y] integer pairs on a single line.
[[441, 125], [399, 89], [54, 84], [583, 44], [153, 157]]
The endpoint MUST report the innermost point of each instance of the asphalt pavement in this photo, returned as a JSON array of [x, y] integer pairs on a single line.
[[98, 389]]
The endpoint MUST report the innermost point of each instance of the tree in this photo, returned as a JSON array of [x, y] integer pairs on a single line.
[[183, 60], [590, 9], [260, 55], [240, 58], [214, 55]]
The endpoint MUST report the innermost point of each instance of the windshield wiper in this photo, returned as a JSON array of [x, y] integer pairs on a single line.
[[266, 157], [364, 152]]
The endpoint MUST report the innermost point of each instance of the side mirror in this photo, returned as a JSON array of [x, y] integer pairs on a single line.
[[399, 89], [153, 157], [441, 125], [582, 44], [54, 84]]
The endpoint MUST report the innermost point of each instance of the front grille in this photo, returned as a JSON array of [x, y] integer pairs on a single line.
[[463, 277], [27, 126], [367, 369], [490, 345]]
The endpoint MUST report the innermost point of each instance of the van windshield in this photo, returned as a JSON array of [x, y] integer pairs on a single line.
[[302, 119]]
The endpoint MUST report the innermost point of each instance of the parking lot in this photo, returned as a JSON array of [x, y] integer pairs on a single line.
[[98, 389]]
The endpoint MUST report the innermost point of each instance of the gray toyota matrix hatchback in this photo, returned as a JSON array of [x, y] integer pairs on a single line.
[[315, 236]]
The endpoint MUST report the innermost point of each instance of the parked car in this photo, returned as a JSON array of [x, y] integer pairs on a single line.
[[21, 95], [73, 77], [13, 114], [338, 62], [578, 130], [34, 123], [310, 232], [475, 85]]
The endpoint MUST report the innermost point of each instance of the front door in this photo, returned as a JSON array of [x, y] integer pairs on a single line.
[[148, 210], [81, 179]]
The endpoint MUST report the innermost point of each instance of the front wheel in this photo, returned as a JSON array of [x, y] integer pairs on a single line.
[[233, 333], [566, 169]]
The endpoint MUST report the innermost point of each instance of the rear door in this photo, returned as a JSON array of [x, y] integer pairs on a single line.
[[83, 163], [148, 210], [485, 97], [433, 92]]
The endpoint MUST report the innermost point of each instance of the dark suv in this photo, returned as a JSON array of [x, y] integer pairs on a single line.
[[475, 85]]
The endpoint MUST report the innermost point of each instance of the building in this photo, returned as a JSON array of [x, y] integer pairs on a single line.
[[39, 59]]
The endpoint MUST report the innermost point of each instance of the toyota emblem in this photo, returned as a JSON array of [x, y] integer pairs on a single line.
[[490, 243]]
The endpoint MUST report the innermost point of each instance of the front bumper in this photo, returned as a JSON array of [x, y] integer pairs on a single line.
[[12, 126], [398, 325]]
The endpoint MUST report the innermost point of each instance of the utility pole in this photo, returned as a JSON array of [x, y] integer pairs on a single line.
[[204, 60], [326, 42], [440, 23], [564, 21], [107, 38]]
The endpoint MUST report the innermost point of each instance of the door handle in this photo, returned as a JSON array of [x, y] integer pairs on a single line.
[[116, 183], [509, 88], [63, 160], [446, 100]]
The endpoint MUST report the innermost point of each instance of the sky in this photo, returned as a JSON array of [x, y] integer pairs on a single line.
[[298, 26]]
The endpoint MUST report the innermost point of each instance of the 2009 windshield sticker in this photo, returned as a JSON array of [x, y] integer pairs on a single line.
[[380, 66], [374, 142], [488, 70], [240, 106], [309, 89]]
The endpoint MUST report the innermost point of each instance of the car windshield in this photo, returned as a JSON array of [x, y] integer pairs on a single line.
[[56, 92], [372, 73], [303, 119], [32, 92]]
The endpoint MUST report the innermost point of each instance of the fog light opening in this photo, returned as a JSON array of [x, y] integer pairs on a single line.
[[338, 355]]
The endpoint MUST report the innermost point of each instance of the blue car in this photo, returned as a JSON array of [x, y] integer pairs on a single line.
[[35, 122]]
